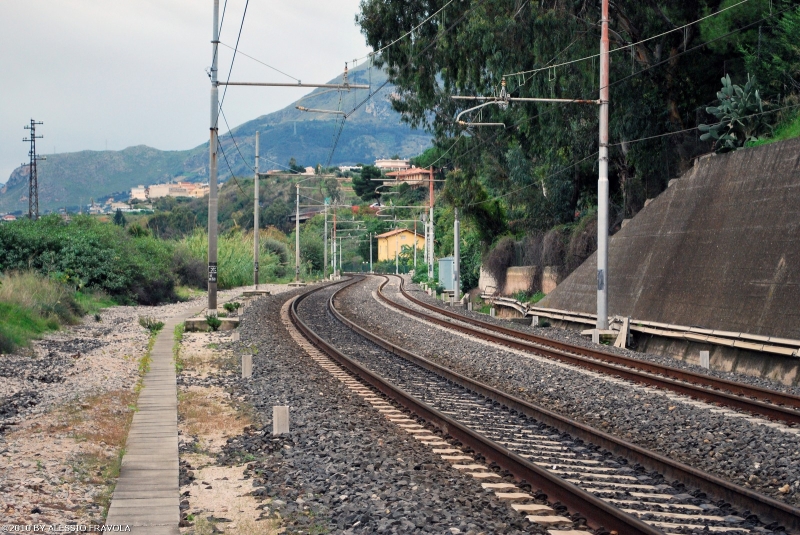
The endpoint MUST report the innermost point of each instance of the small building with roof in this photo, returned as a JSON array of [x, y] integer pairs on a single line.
[[389, 243]]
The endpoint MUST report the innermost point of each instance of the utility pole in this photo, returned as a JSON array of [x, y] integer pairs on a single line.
[[340, 253], [456, 257], [334, 243], [431, 257], [425, 246], [212, 171], [415, 245], [297, 235], [602, 181], [370, 252], [33, 174], [325, 242], [256, 250]]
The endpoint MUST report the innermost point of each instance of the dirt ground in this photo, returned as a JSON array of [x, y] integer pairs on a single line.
[[218, 499]]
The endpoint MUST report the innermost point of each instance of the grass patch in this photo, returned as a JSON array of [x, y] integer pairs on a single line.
[[788, 129], [176, 347], [205, 414]]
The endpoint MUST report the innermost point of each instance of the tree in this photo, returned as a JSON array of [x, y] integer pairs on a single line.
[[332, 190], [657, 84], [294, 167], [363, 185], [119, 218]]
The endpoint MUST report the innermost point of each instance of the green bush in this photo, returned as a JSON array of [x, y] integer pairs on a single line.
[[235, 258], [86, 253], [151, 324], [31, 305], [213, 322]]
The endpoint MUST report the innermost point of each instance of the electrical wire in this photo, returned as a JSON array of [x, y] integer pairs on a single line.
[[698, 47], [534, 71], [376, 52], [407, 65], [219, 145], [225, 92], [234, 140], [697, 127], [278, 164], [261, 62]]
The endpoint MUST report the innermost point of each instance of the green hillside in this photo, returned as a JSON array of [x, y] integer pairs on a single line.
[[373, 131]]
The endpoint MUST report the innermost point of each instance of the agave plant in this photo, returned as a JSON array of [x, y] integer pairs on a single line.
[[740, 116]]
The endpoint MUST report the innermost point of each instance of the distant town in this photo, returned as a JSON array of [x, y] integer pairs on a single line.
[[396, 169]]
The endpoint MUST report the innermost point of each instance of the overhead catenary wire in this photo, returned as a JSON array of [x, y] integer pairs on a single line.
[[624, 47], [262, 63], [409, 32]]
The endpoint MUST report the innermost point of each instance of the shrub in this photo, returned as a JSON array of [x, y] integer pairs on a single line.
[[92, 254], [230, 307], [235, 258], [151, 324], [213, 322]]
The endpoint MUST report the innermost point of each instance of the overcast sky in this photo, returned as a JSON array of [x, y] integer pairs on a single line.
[[118, 73]]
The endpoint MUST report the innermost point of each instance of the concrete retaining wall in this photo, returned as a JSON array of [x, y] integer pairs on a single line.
[[720, 249]]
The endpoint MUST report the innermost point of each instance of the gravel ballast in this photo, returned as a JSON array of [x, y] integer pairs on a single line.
[[756, 456], [343, 467], [573, 337]]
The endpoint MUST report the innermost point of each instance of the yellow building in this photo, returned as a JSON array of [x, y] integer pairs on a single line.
[[394, 240]]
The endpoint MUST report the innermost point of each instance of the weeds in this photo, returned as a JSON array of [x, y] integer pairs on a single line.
[[151, 324], [230, 307], [213, 322], [176, 347]]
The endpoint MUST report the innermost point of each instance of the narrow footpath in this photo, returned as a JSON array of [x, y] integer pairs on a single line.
[[146, 496]]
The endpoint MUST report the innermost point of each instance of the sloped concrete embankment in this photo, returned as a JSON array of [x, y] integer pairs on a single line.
[[719, 249]]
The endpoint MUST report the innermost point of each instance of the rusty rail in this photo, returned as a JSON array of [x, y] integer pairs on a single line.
[[781, 406]]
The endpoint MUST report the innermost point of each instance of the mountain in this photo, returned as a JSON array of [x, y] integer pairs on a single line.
[[373, 131]]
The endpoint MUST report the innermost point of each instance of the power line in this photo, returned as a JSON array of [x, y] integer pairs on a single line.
[[406, 66], [230, 70], [230, 170], [631, 45], [261, 62], [409, 32], [230, 133], [698, 126]]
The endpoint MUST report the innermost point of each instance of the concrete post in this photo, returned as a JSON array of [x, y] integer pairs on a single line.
[[396, 254], [370, 252], [456, 257], [247, 366], [256, 251], [704, 359], [534, 321], [325, 244], [602, 181], [297, 235], [492, 312], [280, 420], [212, 171]]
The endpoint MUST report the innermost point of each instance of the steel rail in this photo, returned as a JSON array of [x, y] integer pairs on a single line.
[[597, 512], [783, 406], [760, 504]]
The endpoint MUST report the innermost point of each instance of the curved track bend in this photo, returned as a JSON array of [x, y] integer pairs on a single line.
[[759, 401], [539, 447]]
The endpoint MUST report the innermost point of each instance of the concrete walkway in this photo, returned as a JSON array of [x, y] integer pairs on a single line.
[[146, 496]]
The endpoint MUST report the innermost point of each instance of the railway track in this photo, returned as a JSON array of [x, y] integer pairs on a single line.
[[771, 404], [612, 483]]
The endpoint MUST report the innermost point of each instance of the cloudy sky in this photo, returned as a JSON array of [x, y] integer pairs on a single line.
[[116, 73]]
